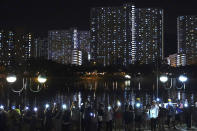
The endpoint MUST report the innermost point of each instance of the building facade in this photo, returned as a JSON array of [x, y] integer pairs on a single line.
[[41, 48], [124, 35], [76, 57], [149, 35], [60, 46], [172, 60], [15, 47], [181, 60], [111, 35], [7, 47], [187, 38], [63, 44], [84, 45]]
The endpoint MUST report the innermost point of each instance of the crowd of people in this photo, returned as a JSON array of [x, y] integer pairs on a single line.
[[100, 117]]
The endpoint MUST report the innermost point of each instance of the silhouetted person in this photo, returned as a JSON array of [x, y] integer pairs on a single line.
[[154, 112]]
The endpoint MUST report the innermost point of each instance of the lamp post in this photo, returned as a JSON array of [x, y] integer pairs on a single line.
[[164, 79], [183, 79], [11, 79], [41, 79]]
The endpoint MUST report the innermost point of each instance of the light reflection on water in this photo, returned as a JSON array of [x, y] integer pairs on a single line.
[[96, 91]]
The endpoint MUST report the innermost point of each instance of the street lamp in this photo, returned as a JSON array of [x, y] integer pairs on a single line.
[[11, 78], [183, 79], [42, 79], [163, 78]]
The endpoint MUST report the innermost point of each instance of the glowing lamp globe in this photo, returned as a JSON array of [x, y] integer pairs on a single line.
[[11, 78], [163, 79], [42, 79], [183, 78]]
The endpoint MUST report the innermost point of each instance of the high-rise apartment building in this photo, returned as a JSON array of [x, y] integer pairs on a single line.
[[7, 47], [26, 41], [111, 35], [15, 47], [60, 46], [64, 44], [187, 38], [123, 35], [41, 48], [149, 35], [84, 45]]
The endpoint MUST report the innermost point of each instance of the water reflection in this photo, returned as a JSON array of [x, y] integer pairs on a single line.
[[97, 91]]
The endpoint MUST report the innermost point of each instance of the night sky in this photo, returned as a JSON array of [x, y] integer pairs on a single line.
[[41, 15]]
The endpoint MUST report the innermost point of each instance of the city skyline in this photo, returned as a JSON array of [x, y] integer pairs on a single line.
[[41, 16]]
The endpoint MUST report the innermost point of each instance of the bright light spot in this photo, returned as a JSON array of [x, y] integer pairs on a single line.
[[47, 106], [118, 103], [164, 79], [11, 78], [109, 107], [127, 76], [185, 105], [89, 56], [157, 99], [182, 78], [64, 107], [13, 107], [91, 114], [26, 108], [2, 107], [42, 79], [35, 109], [138, 105]]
